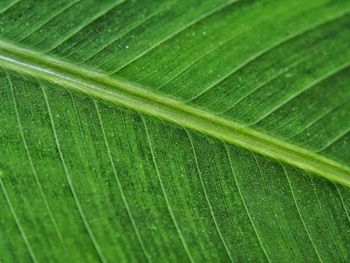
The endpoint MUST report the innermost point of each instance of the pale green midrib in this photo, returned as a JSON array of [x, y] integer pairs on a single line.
[[135, 97]]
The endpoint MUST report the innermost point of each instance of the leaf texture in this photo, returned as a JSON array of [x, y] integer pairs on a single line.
[[85, 179]]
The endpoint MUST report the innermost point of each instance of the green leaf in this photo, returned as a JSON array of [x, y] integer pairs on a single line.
[[156, 131]]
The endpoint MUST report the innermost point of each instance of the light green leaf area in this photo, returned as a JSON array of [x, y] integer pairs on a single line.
[[174, 131]]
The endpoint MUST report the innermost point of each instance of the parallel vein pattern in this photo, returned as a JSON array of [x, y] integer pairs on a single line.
[[84, 180]]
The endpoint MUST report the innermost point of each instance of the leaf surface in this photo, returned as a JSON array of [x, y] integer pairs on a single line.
[[174, 131]]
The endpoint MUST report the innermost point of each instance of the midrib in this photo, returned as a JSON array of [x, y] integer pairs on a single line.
[[135, 97]]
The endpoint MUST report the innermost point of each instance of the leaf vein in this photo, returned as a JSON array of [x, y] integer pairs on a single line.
[[207, 198], [31, 163], [265, 51], [300, 216], [245, 206], [109, 152], [70, 182], [164, 192], [230, 2]]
